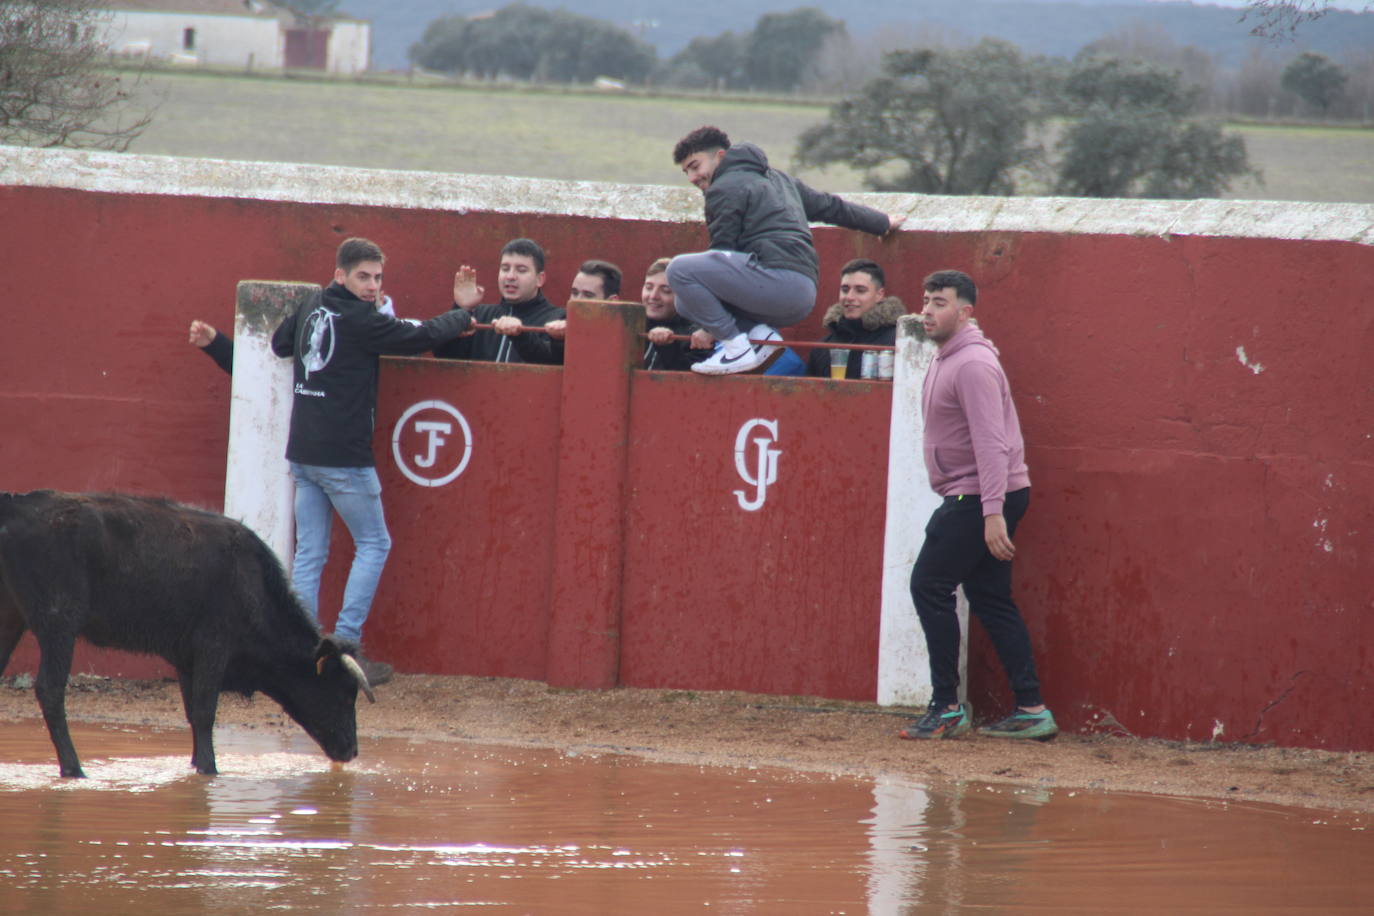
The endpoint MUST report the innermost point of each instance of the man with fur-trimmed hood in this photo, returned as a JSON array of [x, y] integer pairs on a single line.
[[865, 314]]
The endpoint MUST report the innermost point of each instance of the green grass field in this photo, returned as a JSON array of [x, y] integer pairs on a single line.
[[582, 135]]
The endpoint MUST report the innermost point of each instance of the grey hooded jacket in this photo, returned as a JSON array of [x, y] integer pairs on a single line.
[[753, 208]]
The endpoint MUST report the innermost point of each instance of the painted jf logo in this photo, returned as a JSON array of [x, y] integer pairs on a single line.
[[765, 469], [422, 443]]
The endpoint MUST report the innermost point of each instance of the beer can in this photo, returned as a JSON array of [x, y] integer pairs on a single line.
[[870, 364], [886, 361]]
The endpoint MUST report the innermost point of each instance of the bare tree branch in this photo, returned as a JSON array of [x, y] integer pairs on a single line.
[[1279, 20], [56, 88]]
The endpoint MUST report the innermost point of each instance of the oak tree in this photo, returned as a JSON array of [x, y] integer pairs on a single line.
[[1315, 78], [937, 122], [1134, 133]]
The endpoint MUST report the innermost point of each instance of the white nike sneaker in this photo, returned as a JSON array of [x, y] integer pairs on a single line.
[[758, 356], [760, 333], [720, 364]]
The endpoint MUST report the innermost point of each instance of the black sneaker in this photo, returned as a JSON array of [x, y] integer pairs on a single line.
[[939, 722], [378, 673], [1039, 726]]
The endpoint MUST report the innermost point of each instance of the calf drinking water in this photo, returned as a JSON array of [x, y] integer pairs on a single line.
[[194, 587]]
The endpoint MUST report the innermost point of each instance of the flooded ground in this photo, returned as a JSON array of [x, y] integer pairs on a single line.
[[458, 827]]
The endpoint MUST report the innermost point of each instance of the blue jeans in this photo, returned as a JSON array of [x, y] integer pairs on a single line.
[[356, 494], [726, 292]]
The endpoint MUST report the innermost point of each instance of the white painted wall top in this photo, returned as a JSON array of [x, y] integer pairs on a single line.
[[123, 173]]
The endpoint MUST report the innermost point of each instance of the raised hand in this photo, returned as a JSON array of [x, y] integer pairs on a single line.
[[202, 334], [466, 292]]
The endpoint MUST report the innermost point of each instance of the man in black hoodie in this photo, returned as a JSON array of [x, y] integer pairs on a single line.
[[522, 305], [761, 271], [334, 348]]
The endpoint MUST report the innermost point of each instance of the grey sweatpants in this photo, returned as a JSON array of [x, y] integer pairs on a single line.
[[727, 292]]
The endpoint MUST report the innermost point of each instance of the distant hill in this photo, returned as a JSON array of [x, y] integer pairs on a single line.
[[1052, 27]]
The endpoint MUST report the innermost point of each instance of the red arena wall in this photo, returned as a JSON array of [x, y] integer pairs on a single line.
[[1196, 404]]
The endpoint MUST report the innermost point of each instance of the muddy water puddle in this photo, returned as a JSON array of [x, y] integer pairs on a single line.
[[449, 827]]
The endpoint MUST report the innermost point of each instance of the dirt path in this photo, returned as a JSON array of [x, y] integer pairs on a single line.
[[737, 729]]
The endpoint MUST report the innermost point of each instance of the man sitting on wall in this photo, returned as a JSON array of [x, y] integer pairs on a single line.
[[522, 305], [663, 322], [865, 314], [761, 270]]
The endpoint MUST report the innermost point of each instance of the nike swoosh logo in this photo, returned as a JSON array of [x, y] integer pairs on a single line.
[[727, 360]]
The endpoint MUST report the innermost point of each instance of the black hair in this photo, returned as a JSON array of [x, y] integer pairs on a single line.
[[608, 272], [528, 249], [700, 140], [865, 266], [961, 282], [354, 251]]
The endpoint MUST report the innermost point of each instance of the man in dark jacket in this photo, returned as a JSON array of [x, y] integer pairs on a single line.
[[596, 279], [663, 322], [865, 314], [762, 269], [334, 348], [522, 305]]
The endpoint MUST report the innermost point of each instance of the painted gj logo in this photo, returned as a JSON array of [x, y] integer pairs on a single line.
[[765, 469], [423, 443]]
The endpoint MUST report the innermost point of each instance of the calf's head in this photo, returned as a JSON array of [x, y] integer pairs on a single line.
[[322, 697]]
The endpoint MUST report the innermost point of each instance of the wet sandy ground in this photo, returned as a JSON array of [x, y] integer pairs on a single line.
[[740, 729]]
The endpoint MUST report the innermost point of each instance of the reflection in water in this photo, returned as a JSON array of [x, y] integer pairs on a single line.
[[442, 827], [1007, 850]]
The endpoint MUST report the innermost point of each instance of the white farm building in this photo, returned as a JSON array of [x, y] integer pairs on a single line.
[[252, 34]]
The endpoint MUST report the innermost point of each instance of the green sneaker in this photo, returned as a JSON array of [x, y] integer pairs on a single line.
[[1022, 724], [939, 722]]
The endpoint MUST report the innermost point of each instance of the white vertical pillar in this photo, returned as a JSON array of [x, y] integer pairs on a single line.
[[903, 662], [257, 485]]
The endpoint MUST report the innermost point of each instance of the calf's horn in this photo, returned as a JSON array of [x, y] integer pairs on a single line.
[[352, 667]]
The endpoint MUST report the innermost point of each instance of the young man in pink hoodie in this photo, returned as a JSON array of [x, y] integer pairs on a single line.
[[976, 460]]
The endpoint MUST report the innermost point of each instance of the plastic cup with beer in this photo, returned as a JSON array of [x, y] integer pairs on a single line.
[[839, 362]]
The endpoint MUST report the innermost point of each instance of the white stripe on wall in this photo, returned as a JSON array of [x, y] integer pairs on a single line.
[[903, 662]]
